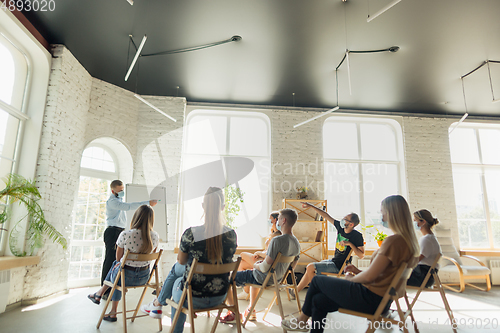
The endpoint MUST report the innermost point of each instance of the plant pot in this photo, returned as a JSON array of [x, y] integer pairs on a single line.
[[379, 243]]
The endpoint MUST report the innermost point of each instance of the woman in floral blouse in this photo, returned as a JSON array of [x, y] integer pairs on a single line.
[[210, 243]]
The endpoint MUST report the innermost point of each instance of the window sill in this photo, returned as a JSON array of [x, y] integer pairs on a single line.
[[239, 249], [481, 253], [13, 262]]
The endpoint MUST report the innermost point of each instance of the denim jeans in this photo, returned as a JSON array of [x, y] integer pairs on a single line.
[[132, 278], [326, 266], [176, 272], [198, 303]]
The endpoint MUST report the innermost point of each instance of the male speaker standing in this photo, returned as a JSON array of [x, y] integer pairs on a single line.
[[115, 222]]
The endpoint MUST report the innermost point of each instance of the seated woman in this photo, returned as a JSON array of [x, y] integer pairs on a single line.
[[141, 238], [429, 248], [211, 243], [249, 259], [364, 291]]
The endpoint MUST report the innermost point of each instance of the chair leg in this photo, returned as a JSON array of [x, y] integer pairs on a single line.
[[410, 310], [401, 316], [106, 306], [214, 326], [124, 307], [191, 310], [253, 306], [271, 304], [446, 306]]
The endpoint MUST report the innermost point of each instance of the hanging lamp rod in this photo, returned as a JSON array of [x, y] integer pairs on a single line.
[[392, 49], [195, 48], [484, 63]]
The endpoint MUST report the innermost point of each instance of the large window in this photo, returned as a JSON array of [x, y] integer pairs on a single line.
[[363, 164], [476, 176], [87, 246], [13, 78], [212, 136]]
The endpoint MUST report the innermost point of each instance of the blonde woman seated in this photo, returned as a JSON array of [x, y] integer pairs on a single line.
[[362, 292], [141, 238], [249, 259], [429, 248]]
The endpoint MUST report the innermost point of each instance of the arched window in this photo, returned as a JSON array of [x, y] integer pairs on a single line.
[[98, 169], [476, 178], [363, 164], [211, 136]]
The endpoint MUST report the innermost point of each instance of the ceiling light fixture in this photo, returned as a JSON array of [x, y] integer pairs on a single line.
[[131, 2], [153, 107], [487, 63], [383, 10], [391, 49], [137, 54]]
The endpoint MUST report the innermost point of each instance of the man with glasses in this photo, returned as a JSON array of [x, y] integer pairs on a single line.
[[347, 239]]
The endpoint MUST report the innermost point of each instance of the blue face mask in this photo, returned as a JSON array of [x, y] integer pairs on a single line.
[[384, 223], [278, 227], [270, 222], [415, 224], [120, 194], [342, 223]]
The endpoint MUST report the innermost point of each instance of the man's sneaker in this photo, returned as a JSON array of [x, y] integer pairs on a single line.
[[293, 325], [292, 293], [229, 318], [253, 316], [243, 295], [152, 310]]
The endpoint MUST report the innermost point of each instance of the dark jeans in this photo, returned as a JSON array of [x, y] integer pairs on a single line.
[[328, 294], [418, 276], [110, 237]]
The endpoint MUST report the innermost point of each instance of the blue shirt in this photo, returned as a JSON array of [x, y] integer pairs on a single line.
[[115, 211]]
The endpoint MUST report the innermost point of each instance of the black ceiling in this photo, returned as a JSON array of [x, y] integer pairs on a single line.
[[291, 46]]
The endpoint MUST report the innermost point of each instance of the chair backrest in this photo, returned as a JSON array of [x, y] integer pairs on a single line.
[[141, 257], [448, 249], [431, 271], [213, 269], [345, 262]]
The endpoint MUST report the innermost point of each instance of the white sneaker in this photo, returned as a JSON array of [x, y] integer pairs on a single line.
[[152, 310], [242, 295]]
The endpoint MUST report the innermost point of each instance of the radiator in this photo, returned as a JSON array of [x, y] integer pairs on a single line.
[[4, 289], [363, 263], [495, 271]]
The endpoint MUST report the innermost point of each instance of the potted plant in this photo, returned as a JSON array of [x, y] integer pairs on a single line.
[[301, 192], [379, 237], [24, 192]]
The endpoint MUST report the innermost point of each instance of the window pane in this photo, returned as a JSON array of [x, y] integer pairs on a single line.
[[207, 135], [7, 68], [378, 142], [8, 138], [490, 138], [472, 226], [98, 159], [463, 146], [249, 137], [341, 192], [340, 140], [492, 178]]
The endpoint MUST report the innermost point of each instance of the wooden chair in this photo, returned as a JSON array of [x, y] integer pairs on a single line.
[[206, 269], [276, 286], [452, 263], [341, 271], [123, 287], [393, 293], [437, 287]]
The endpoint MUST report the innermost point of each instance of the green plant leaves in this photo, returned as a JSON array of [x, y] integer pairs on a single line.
[[232, 197]]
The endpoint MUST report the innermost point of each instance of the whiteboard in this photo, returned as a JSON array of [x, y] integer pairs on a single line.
[[135, 192]]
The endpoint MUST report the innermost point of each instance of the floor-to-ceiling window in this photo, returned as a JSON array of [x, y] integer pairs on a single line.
[[475, 155], [363, 164], [212, 136]]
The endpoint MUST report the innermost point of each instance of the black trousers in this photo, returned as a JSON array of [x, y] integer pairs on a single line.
[[110, 237], [418, 276], [328, 294]]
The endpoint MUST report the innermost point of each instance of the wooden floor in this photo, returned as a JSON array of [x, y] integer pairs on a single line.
[[475, 311]]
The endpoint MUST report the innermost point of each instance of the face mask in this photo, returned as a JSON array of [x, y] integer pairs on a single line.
[[342, 223], [278, 227], [384, 223], [415, 224], [270, 222], [120, 194]]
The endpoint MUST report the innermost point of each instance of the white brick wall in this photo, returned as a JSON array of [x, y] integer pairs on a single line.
[[428, 169], [58, 168]]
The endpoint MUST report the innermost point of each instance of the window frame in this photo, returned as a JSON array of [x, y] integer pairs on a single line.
[[481, 167], [395, 125]]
